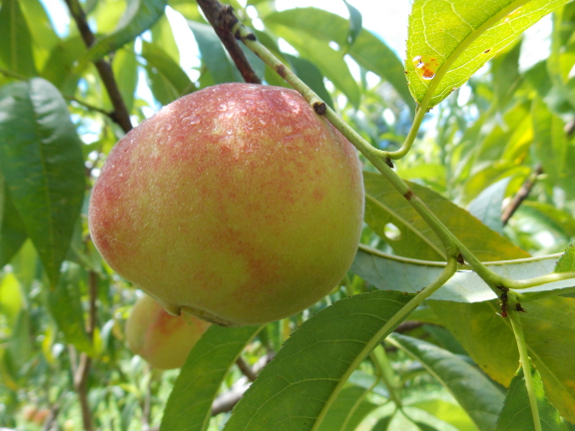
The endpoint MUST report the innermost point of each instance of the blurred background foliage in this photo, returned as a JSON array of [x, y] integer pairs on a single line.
[[510, 128]]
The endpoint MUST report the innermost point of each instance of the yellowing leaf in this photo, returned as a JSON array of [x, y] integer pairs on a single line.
[[449, 40]]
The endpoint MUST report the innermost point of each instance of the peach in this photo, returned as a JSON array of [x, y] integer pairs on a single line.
[[160, 338], [236, 203]]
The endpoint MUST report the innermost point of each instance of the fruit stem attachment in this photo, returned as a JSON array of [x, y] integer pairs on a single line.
[[526, 365]]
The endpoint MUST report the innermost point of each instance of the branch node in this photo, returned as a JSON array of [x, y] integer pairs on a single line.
[[281, 70], [459, 258], [320, 108]]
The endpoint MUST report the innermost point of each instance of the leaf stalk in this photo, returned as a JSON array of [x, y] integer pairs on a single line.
[[526, 365]]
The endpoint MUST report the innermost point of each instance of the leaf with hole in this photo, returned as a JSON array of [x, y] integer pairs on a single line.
[[384, 205], [449, 41]]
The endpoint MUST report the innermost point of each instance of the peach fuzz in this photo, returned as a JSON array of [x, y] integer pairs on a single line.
[[160, 338], [237, 203]]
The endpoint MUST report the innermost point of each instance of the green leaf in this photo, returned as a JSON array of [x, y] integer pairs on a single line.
[[561, 58], [424, 427], [478, 396], [42, 163], [383, 424], [557, 219], [368, 381], [139, 16], [355, 23], [168, 80], [190, 404], [213, 54], [257, 63], [20, 343], [16, 47], [445, 339], [368, 50], [11, 299], [449, 41], [385, 206], [310, 74], [348, 410], [548, 325], [12, 228], [3, 192], [487, 206], [60, 67], [552, 147], [516, 414], [448, 412], [128, 411], [313, 364], [329, 61], [567, 261], [506, 76], [163, 35], [66, 308], [126, 74], [44, 37]]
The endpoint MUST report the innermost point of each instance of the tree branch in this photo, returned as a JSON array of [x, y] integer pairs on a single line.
[[120, 114], [521, 195], [81, 370], [246, 369], [89, 106], [222, 19]]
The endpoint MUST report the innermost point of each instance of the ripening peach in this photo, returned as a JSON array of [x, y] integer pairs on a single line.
[[160, 338], [237, 203]]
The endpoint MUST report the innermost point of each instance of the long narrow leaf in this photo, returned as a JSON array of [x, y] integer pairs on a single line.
[[16, 45], [389, 272], [314, 363], [139, 16], [12, 229], [190, 405], [42, 163], [66, 308], [348, 410], [473, 390], [516, 414]]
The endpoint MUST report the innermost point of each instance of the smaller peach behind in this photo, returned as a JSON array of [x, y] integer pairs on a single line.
[[160, 338]]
